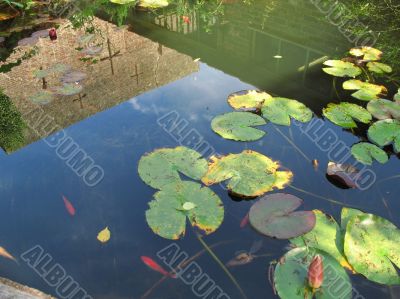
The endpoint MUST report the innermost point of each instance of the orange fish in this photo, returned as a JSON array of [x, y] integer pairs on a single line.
[[156, 267], [186, 19], [68, 205], [6, 254], [316, 272], [244, 221]]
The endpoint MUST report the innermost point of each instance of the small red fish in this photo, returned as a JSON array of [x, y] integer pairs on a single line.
[[244, 221], [186, 19], [156, 267], [53, 34], [316, 272], [68, 205]]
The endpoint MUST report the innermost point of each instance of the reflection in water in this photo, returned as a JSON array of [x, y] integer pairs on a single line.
[[127, 66]]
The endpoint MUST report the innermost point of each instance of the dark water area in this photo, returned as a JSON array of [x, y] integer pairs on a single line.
[[248, 47]]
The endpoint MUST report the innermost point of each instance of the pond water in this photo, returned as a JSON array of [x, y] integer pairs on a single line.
[[278, 48]]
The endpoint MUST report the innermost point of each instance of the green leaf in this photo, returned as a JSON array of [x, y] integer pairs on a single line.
[[367, 53], [163, 166], [384, 109], [371, 246], [365, 91], [167, 218], [397, 96], [343, 114], [280, 110], [42, 97], [40, 74], [153, 3], [250, 174], [345, 216], [385, 132], [249, 99], [340, 68], [326, 236], [238, 126], [379, 68], [365, 152], [291, 273], [275, 216], [69, 89], [122, 2]]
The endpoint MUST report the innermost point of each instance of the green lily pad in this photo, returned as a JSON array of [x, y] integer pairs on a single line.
[[163, 166], [365, 152], [69, 89], [371, 245], [249, 99], [291, 273], [250, 174], [365, 91], [275, 216], [367, 53], [384, 109], [379, 67], [153, 3], [325, 236], [385, 132], [42, 97], [340, 68], [238, 126], [167, 218], [40, 74], [345, 216], [122, 2], [343, 114], [280, 110]]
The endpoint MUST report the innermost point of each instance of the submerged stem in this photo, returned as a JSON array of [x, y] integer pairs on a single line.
[[293, 144], [231, 277]]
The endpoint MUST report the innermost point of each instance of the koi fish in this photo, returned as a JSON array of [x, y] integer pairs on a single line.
[[186, 19], [68, 205], [6, 254], [156, 267], [244, 221]]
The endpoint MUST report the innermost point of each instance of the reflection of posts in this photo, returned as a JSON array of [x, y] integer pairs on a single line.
[[110, 55], [80, 97], [136, 75]]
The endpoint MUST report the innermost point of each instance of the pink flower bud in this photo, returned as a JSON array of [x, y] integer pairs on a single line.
[[53, 34], [316, 272]]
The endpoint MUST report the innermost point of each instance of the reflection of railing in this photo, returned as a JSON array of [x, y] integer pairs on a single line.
[[175, 23]]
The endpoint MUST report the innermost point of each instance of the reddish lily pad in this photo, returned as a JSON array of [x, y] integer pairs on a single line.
[[343, 175], [275, 216]]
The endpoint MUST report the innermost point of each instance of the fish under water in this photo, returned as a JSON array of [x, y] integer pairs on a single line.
[[156, 267], [244, 221], [68, 205], [4, 253]]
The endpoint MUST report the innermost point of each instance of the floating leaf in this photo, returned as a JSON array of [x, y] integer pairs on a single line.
[[365, 91], [123, 2], [250, 174], [238, 126], [291, 273], [280, 110], [367, 53], [325, 236], [365, 152], [167, 215], [343, 175], [153, 3], [4, 253], [384, 109], [42, 97], [163, 166], [92, 50], [69, 89], [340, 68], [379, 68], [345, 216], [275, 216], [85, 39], [385, 132], [343, 114], [60, 68], [247, 100], [104, 236], [371, 246], [40, 74], [73, 77]]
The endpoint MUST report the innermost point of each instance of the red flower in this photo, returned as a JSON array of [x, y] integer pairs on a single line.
[[316, 272], [53, 34], [186, 19]]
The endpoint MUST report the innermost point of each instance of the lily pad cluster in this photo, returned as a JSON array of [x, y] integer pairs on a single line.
[[365, 63], [240, 125], [249, 174], [363, 243]]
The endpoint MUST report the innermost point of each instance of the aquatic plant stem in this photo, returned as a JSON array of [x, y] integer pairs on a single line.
[[229, 274], [181, 266], [334, 87]]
